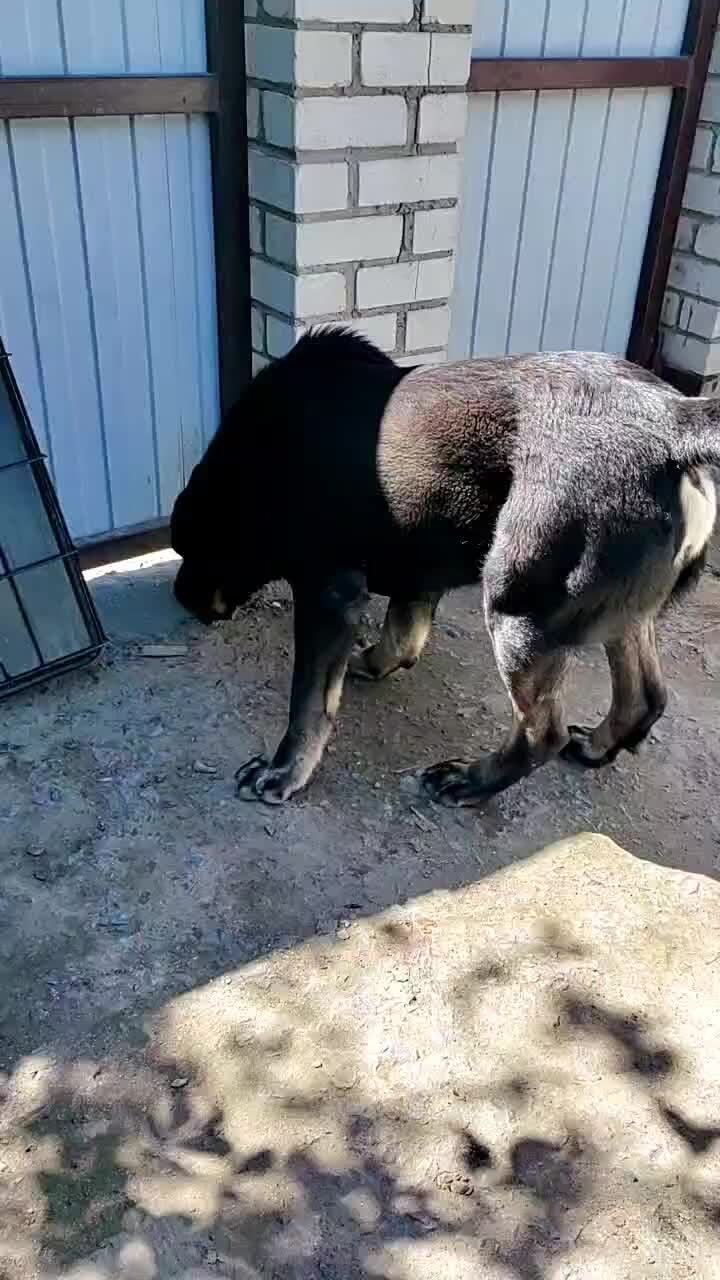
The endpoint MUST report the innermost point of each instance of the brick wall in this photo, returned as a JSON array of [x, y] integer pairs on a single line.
[[691, 313], [356, 111]]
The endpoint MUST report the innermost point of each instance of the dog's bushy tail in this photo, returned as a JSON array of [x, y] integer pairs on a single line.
[[697, 442]]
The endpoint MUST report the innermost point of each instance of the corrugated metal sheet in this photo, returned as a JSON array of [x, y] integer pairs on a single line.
[[559, 185], [107, 287]]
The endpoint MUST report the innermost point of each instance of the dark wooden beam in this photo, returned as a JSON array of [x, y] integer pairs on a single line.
[[225, 26], [683, 380], [126, 544], [45, 97], [700, 30], [499, 75]]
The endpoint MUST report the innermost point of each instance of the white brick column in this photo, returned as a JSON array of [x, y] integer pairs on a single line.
[[691, 312], [356, 110]]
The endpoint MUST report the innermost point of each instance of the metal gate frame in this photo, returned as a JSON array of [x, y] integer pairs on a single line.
[[685, 75], [219, 93], [64, 554]]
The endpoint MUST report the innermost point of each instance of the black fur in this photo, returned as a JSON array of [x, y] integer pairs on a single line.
[[341, 343], [554, 479]]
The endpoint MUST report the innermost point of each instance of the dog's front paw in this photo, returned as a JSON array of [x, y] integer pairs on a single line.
[[259, 780], [452, 783], [581, 749], [359, 664]]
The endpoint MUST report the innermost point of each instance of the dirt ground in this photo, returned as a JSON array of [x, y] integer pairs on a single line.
[[359, 1036]]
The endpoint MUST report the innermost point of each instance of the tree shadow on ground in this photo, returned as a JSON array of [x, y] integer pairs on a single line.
[[238, 1150]]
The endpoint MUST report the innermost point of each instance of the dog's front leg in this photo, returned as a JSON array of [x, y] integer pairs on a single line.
[[327, 614]]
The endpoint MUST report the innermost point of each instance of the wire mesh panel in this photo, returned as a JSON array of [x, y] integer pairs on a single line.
[[48, 622]]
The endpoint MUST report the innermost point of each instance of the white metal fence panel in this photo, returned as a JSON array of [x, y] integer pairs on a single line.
[[559, 185], [107, 278]]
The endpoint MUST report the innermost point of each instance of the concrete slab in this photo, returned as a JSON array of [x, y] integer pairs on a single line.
[[518, 1079]]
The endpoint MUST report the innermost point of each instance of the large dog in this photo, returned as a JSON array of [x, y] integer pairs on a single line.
[[570, 485]]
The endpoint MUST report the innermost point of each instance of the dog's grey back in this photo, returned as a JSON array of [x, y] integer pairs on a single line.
[[605, 510]]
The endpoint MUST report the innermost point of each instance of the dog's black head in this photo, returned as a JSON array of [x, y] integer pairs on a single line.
[[197, 589], [219, 530], [221, 566]]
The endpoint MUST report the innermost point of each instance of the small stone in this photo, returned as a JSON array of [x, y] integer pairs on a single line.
[[201, 767], [132, 1220], [456, 1183], [420, 819], [344, 1077], [36, 851], [425, 1221], [180, 1082], [164, 651]]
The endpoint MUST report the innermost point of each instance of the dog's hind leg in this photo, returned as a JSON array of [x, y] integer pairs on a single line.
[[405, 633], [534, 681], [326, 617], [638, 700]]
